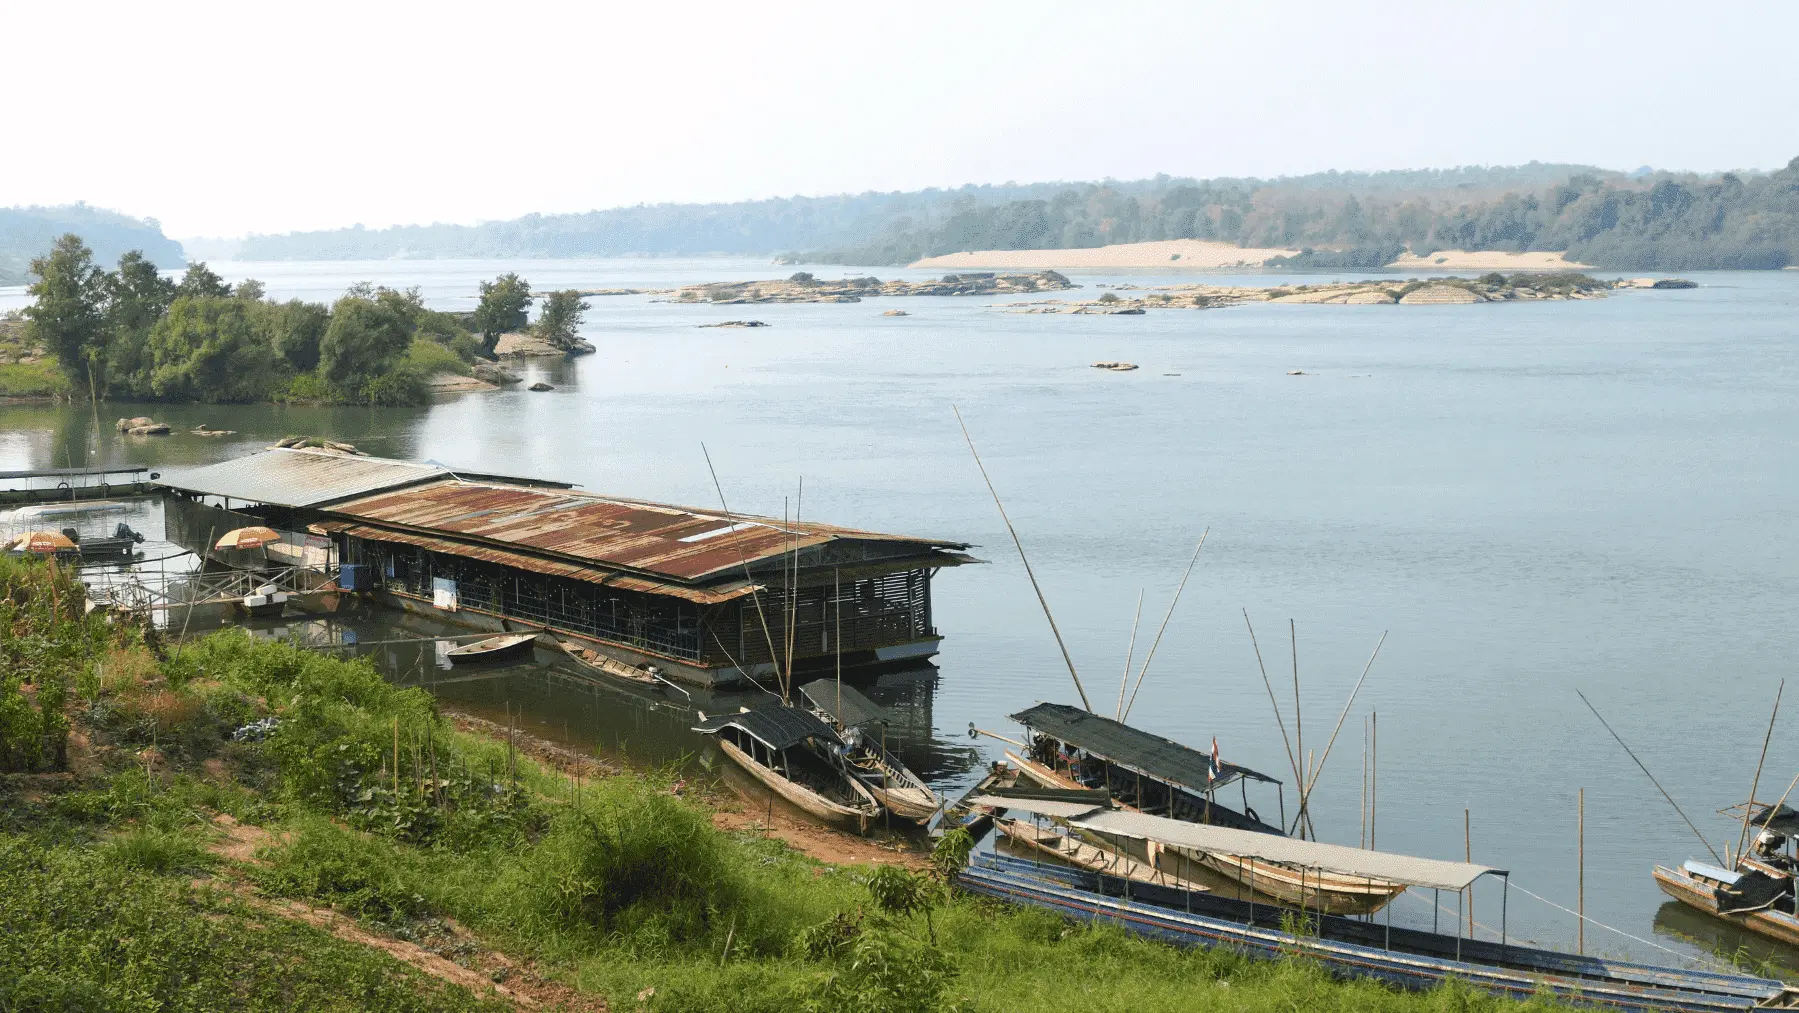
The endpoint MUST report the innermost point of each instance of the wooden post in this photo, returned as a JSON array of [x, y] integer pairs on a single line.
[[1580, 835], [1364, 837], [1468, 845], [396, 778], [1373, 778]]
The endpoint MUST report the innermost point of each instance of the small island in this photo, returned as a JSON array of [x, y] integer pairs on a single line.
[[803, 287], [1451, 291]]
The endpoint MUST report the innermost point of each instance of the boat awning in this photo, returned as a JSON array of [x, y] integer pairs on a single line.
[[775, 727], [1430, 873], [1133, 749], [1041, 806], [844, 703]]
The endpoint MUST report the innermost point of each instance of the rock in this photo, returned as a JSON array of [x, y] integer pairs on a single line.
[[804, 287], [1297, 372], [1674, 283], [737, 323], [1116, 367], [524, 345], [201, 430], [456, 383], [896, 313], [1370, 297], [1440, 295], [127, 425], [153, 429], [290, 442], [581, 348], [494, 374], [540, 386]]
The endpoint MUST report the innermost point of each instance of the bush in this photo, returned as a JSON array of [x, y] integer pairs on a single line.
[[401, 386], [322, 861], [32, 379], [152, 850], [430, 358]]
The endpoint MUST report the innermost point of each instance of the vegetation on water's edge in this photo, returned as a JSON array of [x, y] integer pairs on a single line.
[[135, 334], [621, 888]]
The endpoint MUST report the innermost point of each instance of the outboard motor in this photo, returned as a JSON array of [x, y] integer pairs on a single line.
[[124, 531]]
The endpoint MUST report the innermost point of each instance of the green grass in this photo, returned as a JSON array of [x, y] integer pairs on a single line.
[[36, 379], [432, 357], [625, 889]]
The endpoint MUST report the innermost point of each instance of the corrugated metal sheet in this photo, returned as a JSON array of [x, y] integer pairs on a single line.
[[299, 478], [1152, 754], [777, 727], [671, 541], [539, 564], [845, 703]]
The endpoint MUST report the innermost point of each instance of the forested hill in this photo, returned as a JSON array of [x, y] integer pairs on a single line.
[[29, 232], [1652, 221], [850, 225]]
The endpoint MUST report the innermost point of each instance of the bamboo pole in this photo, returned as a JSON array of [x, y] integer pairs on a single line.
[[1364, 837], [1468, 846], [1658, 785], [1580, 890], [1306, 798], [1299, 727], [1151, 656], [1066, 659], [1373, 779], [755, 596], [396, 778], [1743, 841], [1129, 653], [1292, 761]]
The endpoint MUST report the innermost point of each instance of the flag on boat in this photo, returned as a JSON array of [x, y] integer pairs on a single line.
[[1217, 765]]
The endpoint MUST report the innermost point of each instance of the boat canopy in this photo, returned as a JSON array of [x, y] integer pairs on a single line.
[[775, 727], [844, 703], [1134, 749], [1784, 822], [1430, 873]]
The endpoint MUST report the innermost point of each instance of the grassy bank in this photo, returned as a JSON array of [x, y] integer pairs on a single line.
[[184, 823]]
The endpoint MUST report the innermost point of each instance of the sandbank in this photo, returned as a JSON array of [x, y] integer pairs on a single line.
[[1486, 260], [1180, 253]]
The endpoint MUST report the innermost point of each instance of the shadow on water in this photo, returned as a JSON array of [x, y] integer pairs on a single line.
[[1753, 953]]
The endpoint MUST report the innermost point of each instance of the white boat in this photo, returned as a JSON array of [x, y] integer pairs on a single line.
[[795, 755]]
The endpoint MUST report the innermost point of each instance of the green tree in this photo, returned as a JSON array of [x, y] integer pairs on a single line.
[[294, 329], [137, 296], [561, 319], [67, 314], [209, 349], [364, 341], [250, 289], [200, 281], [504, 302]]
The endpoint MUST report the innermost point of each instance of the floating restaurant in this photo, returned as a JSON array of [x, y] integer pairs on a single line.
[[702, 596]]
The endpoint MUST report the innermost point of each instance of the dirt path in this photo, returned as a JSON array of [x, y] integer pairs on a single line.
[[481, 970], [822, 843]]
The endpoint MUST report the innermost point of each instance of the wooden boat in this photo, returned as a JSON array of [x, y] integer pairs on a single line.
[[1087, 855], [1758, 893], [901, 792], [505, 647], [1350, 947], [796, 756], [595, 661], [1307, 889], [975, 818]]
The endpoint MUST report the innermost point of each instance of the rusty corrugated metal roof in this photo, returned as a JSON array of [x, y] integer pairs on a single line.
[[680, 543], [296, 477], [540, 564]]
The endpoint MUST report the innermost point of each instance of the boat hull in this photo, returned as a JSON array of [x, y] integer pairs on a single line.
[[1701, 895], [503, 648], [814, 804], [1509, 971]]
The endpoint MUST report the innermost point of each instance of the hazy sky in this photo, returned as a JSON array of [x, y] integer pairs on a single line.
[[222, 119]]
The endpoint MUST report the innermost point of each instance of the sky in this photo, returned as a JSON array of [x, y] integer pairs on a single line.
[[225, 119]]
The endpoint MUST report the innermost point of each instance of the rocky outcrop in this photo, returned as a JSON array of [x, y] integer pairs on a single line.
[[492, 373], [525, 345], [737, 323], [540, 387], [1116, 367], [804, 288], [1440, 295], [142, 425], [316, 443], [456, 383]]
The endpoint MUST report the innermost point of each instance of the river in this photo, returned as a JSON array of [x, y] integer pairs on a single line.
[[1527, 499]]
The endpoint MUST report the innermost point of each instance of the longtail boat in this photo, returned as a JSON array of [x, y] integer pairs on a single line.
[[1075, 748], [796, 756], [902, 792], [1356, 948], [1758, 892]]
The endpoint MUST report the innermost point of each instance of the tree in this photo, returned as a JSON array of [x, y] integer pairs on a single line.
[[561, 319], [364, 341], [294, 329], [250, 289], [200, 281], [67, 315], [208, 348], [137, 296], [504, 302]]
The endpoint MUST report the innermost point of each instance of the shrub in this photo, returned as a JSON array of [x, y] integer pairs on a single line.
[[323, 861]]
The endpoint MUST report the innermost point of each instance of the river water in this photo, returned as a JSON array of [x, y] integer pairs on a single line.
[[1528, 500]]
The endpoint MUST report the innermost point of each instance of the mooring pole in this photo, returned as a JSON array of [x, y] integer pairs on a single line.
[[1468, 845], [1580, 837]]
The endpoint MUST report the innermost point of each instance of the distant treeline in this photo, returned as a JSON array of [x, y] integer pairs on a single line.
[[1660, 222], [29, 232], [885, 228]]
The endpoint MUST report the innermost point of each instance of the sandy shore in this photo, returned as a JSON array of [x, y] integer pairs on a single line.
[[1486, 260], [1185, 253]]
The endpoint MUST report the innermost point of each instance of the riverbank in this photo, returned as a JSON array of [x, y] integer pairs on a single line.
[[1195, 254], [803, 287], [241, 822]]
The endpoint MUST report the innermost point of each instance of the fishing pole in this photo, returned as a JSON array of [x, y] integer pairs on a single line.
[[1130, 652], [1078, 688], [1743, 841], [1651, 777], [1164, 628]]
